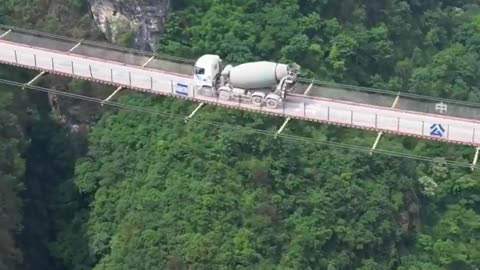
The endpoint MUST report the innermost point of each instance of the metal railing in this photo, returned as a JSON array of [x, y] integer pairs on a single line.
[[313, 110], [372, 96]]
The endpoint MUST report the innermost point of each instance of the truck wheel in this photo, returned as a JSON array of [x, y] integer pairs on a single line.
[[272, 103], [224, 95], [257, 101]]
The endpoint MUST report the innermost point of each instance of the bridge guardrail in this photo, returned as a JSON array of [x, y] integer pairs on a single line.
[[372, 96], [308, 108]]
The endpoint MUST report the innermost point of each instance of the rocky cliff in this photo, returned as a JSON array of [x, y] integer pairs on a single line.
[[146, 18]]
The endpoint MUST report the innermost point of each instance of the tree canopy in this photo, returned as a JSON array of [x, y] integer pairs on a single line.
[[154, 192]]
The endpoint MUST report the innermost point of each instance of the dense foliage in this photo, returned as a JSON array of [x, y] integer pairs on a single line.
[[156, 193], [67, 16], [203, 197], [427, 47], [12, 168], [36, 160]]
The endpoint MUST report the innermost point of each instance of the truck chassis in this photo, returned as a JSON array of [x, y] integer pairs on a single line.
[[256, 97]]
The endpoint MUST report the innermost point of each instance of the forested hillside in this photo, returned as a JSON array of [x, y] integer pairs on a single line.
[[11, 175], [155, 193]]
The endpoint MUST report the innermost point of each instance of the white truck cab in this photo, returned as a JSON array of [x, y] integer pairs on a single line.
[[206, 69]]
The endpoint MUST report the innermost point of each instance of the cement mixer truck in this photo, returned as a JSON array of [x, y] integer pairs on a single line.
[[260, 83]]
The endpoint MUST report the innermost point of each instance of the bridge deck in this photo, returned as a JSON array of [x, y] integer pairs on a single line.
[[159, 76]]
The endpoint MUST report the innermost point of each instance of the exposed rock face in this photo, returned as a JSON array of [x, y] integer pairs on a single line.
[[145, 17]]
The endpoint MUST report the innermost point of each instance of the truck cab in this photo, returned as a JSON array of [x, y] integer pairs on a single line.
[[206, 70]]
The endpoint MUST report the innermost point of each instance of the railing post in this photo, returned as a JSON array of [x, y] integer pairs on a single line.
[[328, 113], [351, 117], [448, 131], [423, 127], [398, 124], [130, 78], [16, 57], [111, 75], [35, 60], [73, 71], [53, 64], [376, 121], [90, 68], [473, 135], [304, 109], [151, 83]]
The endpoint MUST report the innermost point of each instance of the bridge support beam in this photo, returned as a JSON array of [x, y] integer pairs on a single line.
[[194, 112], [379, 134], [6, 33], [148, 61], [375, 143], [475, 159], [76, 46], [282, 127], [120, 87], [34, 79], [308, 88], [43, 72], [111, 96], [288, 119]]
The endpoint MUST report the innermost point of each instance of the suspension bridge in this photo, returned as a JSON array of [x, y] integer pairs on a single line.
[[354, 107]]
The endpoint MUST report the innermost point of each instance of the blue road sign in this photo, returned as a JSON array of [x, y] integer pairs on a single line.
[[437, 130], [181, 89]]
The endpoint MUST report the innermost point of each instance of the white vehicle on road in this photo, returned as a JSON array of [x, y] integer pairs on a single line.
[[259, 82]]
